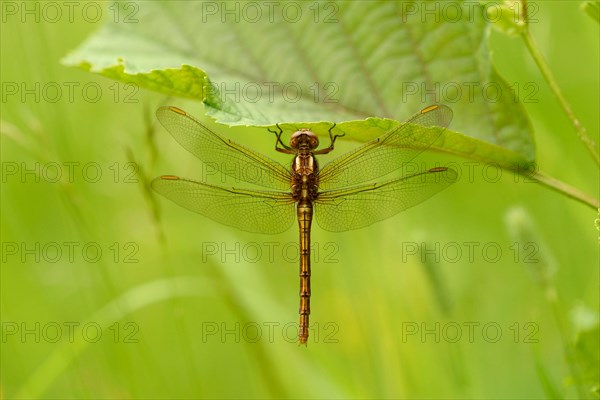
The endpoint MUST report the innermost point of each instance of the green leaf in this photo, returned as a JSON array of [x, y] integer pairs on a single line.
[[450, 142], [304, 62], [592, 8], [187, 81]]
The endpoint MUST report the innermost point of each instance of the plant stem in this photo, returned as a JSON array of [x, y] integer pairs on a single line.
[[563, 330], [549, 77], [563, 188]]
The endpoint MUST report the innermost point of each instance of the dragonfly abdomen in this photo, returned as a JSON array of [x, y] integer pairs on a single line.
[[305, 168], [305, 213]]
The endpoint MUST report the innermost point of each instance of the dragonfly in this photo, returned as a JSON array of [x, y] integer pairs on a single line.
[[350, 192]]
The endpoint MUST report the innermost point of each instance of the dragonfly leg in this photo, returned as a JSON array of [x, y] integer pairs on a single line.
[[332, 139], [285, 149]]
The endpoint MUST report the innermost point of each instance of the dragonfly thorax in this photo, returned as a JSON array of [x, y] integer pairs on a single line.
[[304, 139]]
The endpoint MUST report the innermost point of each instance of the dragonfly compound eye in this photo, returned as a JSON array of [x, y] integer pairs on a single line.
[[314, 140]]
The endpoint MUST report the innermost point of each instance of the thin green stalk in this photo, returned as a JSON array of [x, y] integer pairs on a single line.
[[565, 189], [543, 272], [549, 77], [563, 330]]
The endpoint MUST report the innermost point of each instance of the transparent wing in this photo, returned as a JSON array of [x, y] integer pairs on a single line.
[[360, 206], [222, 154], [388, 152], [249, 210]]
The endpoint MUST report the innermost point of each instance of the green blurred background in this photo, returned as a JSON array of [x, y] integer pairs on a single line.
[[163, 319]]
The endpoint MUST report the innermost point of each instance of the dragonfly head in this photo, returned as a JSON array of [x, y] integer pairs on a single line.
[[304, 139]]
